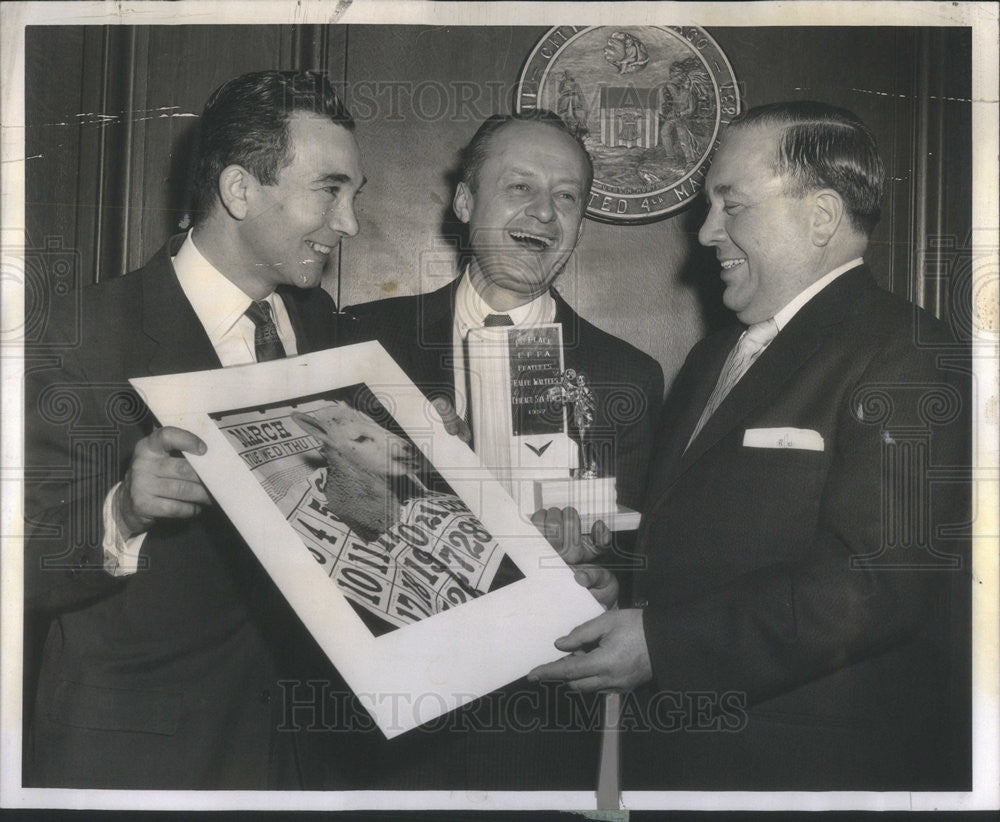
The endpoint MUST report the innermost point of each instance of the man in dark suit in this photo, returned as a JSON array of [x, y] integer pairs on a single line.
[[524, 184], [523, 190], [161, 662], [802, 622]]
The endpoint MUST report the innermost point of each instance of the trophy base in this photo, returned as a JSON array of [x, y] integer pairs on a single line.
[[594, 499]]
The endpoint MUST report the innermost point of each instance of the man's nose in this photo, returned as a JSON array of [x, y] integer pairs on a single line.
[[541, 207], [711, 230], [344, 219]]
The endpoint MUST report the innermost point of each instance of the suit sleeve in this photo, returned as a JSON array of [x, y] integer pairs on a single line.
[[783, 625], [70, 464], [636, 432]]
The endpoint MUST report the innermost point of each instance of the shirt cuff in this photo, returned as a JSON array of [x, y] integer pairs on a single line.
[[121, 554]]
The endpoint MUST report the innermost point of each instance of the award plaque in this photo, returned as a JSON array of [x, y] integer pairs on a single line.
[[524, 403], [518, 431]]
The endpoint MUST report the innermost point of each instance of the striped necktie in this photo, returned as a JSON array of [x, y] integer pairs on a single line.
[[753, 341]]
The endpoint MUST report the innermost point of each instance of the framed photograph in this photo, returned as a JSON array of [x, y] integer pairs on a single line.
[[409, 564]]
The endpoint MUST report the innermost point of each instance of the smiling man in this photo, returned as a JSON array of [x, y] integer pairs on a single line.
[[802, 621], [522, 194], [166, 637], [524, 183]]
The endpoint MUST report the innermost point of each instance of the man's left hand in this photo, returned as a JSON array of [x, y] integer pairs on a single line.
[[620, 661], [561, 527], [602, 584]]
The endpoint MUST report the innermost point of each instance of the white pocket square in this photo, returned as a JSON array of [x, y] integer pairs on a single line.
[[804, 439]]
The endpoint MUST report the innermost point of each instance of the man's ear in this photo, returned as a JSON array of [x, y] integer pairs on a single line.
[[234, 190], [828, 212], [462, 204]]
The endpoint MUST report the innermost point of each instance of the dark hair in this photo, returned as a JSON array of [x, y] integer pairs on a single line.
[[475, 153], [245, 122], [822, 146]]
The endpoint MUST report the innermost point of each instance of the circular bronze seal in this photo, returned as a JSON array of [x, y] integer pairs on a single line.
[[648, 103]]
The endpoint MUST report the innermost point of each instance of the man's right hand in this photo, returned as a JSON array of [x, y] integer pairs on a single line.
[[160, 485], [453, 423]]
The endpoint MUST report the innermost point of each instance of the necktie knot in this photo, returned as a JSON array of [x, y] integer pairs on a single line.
[[497, 320], [267, 343], [760, 334], [259, 313], [750, 344]]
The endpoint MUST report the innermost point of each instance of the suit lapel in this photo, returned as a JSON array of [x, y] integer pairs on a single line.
[[569, 320], [790, 351], [177, 340], [308, 337], [766, 376], [429, 359], [694, 395], [573, 350], [302, 337]]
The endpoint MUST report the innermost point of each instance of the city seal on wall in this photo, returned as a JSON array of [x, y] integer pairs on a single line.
[[648, 103]]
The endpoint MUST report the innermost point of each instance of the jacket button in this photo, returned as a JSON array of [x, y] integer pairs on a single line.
[[265, 696], [640, 603]]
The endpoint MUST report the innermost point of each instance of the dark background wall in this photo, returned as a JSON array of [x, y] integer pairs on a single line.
[[112, 113]]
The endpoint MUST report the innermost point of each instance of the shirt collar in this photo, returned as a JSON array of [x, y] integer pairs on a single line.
[[217, 301], [782, 317], [471, 309]]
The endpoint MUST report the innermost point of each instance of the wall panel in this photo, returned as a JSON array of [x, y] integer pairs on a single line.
[[651, 284], [112, 182], [176, 70]]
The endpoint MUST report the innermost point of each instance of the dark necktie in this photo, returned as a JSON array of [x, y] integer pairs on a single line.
[[267, 343], [497, 320]]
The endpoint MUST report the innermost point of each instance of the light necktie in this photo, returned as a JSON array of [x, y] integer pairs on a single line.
[[267, 343], [497, 320], [753, 341]]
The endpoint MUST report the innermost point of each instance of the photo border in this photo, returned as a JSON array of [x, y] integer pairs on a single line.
[[985, 240]]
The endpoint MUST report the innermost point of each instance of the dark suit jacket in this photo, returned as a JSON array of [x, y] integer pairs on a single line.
[[164, 679], [524, 736], [821, 589]]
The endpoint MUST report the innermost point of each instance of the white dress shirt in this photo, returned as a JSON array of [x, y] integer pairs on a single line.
[[471, 311], [220, 306], [782, 317], [741, 362]]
